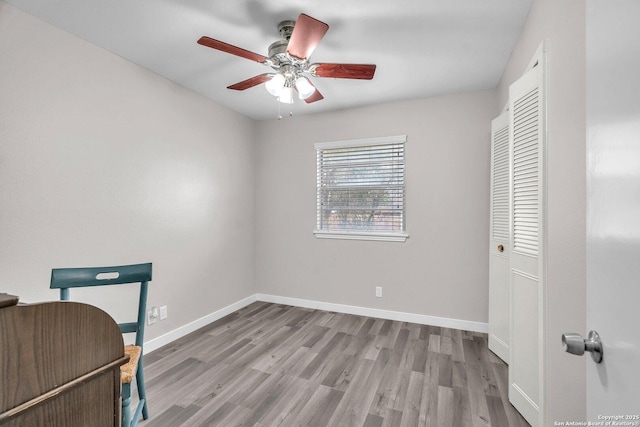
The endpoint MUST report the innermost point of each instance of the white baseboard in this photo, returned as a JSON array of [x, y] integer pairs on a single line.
[[422, 319], [499, 347], [466, 325], [165, 339], [525, 405]]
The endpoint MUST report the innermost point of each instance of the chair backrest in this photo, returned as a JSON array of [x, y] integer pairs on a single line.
[[65, 278]]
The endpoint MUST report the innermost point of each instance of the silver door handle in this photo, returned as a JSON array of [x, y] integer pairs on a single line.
[[575, 344]]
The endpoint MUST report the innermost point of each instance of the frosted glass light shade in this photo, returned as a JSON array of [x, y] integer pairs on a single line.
[[286, 95], [275, 85], [305, 88]]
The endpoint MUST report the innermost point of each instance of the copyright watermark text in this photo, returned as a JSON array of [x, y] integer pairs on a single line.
[[604, 421]]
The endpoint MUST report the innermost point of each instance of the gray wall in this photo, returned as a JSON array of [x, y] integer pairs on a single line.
[[562, 23], [442, 268], [103, 162]]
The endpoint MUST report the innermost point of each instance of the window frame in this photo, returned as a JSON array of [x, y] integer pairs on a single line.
[[376, 235]]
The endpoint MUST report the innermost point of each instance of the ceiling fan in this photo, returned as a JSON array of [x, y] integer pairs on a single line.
[[289, 58]]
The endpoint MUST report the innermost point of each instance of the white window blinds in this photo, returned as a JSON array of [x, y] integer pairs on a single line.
[[360, 187]]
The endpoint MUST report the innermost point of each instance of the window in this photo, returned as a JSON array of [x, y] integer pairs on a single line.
[[360, 189]]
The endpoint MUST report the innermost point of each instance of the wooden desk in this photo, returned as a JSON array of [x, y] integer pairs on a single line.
[[59, 364]]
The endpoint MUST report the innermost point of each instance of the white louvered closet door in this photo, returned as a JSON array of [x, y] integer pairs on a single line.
[[499, 241], [526, 123]]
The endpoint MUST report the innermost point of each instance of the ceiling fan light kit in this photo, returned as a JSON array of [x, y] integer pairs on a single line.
[[275, 85], [289, 57], [304, 87], [286, 96]]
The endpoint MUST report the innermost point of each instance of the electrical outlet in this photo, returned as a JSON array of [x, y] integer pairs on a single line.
[[150, 319], [379, 291], [163, 312], [152, 316]]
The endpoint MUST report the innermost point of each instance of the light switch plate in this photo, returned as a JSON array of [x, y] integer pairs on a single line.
[[163, 312]]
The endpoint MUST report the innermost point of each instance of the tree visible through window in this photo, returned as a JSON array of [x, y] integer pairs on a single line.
[[360, 186]]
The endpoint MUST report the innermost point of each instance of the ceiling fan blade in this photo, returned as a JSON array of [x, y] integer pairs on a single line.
[[253, 81], [229, 48], [316, 96], [344, 71], [306, 35]]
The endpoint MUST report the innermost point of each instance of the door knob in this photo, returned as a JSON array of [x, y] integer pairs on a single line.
[[575, 344], [500, 248]]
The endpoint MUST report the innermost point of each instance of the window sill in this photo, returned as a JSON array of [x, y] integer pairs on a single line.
[[361, 235]]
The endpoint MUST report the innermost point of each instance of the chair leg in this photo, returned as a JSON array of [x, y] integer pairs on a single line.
[[135, 418], [142, 393], [126, 405]]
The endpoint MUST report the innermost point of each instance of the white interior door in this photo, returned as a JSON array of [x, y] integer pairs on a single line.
[[526, 125], [613, 207], [499, 231]]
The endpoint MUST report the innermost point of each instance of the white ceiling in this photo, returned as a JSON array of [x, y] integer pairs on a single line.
[[422, 48]]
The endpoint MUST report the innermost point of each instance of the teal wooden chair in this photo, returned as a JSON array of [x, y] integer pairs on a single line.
[[66, 278]]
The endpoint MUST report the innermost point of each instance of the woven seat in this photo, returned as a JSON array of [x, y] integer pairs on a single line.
[[128, 370], [65, 278]]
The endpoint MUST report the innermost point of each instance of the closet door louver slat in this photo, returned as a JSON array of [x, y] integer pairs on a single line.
[[525, 174], [500, 182]]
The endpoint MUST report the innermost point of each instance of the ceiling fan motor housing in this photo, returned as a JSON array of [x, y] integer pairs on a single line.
[[278, 50]]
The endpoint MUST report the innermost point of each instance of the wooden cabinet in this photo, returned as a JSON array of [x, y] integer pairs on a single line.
[[60, 365]]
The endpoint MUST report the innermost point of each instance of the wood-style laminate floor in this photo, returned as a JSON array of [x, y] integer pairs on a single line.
[[277, 365]]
